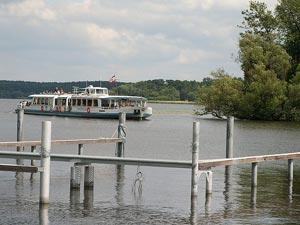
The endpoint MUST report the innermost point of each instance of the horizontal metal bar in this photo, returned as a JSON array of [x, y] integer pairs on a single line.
[[202, 164], [62, 142], [19, 168], [98, 159]]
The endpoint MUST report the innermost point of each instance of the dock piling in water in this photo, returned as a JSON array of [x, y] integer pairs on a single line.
[[20, 117], [229, 137], [195, 158], [121, 134], [45, 162]]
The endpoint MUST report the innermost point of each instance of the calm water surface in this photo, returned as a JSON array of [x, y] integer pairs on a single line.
[[165, 196]]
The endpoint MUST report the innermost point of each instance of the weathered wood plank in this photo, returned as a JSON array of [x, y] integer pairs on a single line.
[[61, 142], [203, 164], [18, 168]]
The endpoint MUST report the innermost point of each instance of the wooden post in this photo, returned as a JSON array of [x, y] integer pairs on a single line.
[[254, 175], [229, 137], [195, 158], [45, 162], [121, 134], [290, 169]]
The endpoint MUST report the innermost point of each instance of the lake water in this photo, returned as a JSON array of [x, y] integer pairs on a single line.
[[165, 196]]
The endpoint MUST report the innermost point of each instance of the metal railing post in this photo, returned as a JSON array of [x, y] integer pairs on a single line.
[[195, 158], [45, 162]]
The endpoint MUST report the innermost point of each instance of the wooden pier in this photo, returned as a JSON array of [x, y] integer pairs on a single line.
[[80, 161]]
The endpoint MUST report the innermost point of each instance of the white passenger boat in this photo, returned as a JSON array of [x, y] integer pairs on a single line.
[[91, 102]]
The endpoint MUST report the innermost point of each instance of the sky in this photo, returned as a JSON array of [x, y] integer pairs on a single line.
[[79, 40]]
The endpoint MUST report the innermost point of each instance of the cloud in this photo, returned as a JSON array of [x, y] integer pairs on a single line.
[[30, 8], [139, 39]]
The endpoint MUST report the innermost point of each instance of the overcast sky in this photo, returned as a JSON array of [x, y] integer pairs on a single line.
[[75, 40]]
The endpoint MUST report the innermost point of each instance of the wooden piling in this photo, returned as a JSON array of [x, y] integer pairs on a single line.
[[195, 158], [229, 137], [121, 134], [45, 162]]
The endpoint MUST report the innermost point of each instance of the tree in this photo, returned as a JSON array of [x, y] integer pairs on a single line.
[[288, 14], [222, 98], [259, 20], [265, 96], [255, 50]]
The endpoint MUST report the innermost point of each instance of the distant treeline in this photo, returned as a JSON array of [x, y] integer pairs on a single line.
[[167, 90]]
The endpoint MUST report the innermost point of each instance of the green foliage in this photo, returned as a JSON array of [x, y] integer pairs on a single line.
[[159, 89], [256, 50], [269, 56], [166, 90], [222, 98], [259, 20]]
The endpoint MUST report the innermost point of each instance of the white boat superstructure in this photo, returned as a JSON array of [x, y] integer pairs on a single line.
[[94, 102]]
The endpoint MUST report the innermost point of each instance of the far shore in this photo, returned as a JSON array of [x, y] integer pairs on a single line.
[[171, 102]]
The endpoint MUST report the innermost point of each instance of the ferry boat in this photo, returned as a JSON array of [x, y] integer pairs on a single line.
[[89, 102]]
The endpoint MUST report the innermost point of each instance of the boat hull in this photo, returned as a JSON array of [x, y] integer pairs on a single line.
[[100, 115]]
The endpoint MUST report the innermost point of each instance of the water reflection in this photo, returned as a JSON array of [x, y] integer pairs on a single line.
[[194, 210], [43, 214], [290, 191], [253, 197], [119, 184], [88, 200], [227, 189], [74, 198]]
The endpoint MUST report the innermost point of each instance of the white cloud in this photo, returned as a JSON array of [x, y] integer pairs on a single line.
[[31, 8], [181, 38]]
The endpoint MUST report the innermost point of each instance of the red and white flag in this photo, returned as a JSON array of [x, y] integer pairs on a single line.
[[113, 79]]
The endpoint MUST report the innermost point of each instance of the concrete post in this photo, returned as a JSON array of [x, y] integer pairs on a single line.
[[254, 175], [45, 162], [195, 158], [229, 137], [121, 134]]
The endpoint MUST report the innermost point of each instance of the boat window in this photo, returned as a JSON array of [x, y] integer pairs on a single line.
[[35, 100], [64, 101], [79, 102], [83, 102], [74, 102], [56, 102], [89, 102], [46, 101], [95, 102], [105, 103]]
